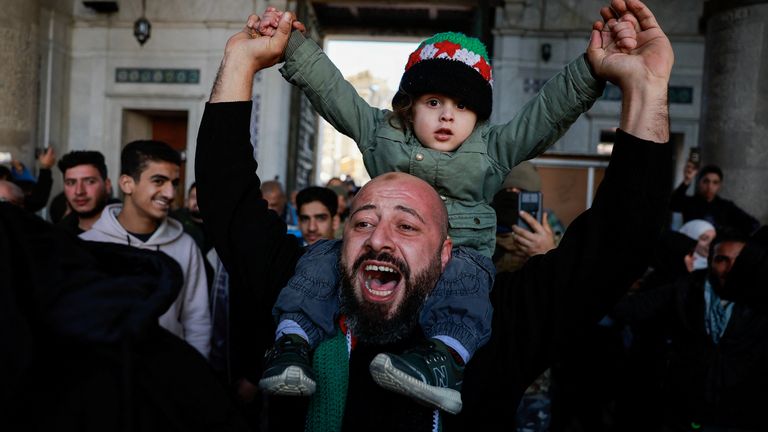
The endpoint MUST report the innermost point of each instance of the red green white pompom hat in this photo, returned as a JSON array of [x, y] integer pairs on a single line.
[[452, 64]]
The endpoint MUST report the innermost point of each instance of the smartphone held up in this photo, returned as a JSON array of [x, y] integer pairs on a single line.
[[531, 203]]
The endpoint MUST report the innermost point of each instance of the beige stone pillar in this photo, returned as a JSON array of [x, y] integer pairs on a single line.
[[734, 119], [19, 45]]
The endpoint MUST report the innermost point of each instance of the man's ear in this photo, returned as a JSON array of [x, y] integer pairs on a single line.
[[445, 252], [336, 222], [126, 184]]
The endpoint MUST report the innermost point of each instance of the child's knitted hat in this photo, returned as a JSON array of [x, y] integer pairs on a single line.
[[452, 64]]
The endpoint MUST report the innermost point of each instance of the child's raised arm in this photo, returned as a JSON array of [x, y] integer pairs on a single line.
[[336, 100], [573, 91]]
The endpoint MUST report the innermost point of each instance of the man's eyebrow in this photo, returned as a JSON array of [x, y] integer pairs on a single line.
[[363, 208], [159, 177], [79, 178], [401, 208], [410, 211]]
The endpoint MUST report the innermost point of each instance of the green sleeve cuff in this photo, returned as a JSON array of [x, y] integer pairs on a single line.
[[585, 78], [294, 42]]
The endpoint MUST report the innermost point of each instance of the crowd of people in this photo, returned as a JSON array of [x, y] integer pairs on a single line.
[[423, 300]]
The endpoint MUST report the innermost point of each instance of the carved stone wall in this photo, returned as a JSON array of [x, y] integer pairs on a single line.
[[19, 77]]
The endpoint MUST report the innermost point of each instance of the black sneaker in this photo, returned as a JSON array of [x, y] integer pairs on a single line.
[[430, 374], [287, 368]]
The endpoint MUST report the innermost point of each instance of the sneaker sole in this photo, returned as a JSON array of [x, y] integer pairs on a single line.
[[397, 381], [292, 382]]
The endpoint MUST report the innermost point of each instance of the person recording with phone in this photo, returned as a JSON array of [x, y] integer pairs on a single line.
[[706, 202], [522, 233]]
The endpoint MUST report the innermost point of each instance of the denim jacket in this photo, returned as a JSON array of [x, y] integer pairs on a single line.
[[466, 179]]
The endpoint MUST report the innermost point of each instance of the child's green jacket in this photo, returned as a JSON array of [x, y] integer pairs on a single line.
[[466, 179]]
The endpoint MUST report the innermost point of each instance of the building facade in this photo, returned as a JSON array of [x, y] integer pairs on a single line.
[[79, 79]]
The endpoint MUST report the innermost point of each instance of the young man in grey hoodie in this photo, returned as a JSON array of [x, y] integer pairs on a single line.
[[149, 175]]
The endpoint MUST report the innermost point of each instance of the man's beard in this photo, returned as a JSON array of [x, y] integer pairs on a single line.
[[368, 321], [96, 210]]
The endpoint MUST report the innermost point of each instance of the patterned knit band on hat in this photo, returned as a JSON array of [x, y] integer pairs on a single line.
[[452, 64]]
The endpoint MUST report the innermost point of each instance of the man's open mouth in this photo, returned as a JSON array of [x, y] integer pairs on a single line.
[[381, 281]]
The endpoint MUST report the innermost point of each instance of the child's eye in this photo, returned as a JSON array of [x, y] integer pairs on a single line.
[[433, 102], [461, 106]]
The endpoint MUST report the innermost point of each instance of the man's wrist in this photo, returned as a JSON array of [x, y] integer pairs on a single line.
[[234, 81], [645, 110]]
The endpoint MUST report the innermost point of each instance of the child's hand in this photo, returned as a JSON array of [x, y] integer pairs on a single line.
[[271, 18], [618, 33], [624, 33], [630, 49]]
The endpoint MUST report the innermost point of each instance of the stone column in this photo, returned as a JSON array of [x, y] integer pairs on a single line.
[[734, 118], [19, 44]]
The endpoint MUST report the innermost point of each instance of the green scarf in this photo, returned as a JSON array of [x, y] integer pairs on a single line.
[[331, 364]]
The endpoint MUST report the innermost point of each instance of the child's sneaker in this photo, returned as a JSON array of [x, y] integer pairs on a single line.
[[287, 368], [430, 374]]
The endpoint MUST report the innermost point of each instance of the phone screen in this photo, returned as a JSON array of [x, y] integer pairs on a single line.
[[694, 156], [529, 202], [5, 157]]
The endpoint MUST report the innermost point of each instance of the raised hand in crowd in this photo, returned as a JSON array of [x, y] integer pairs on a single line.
[[247, 52], [47, 158], [641, 72], [689, 172]]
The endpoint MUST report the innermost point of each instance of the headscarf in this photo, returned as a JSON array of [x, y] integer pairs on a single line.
[[694, 229]]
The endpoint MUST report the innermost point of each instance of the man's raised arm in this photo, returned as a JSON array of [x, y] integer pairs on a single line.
[[250, 239], [246, 53], [541, 310], [642, 73]]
